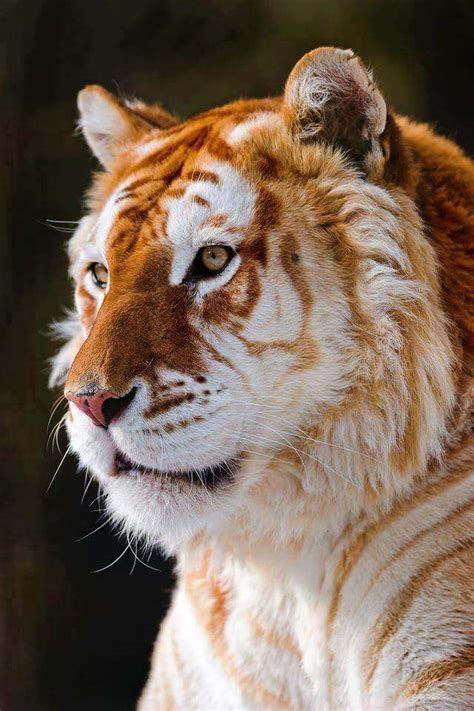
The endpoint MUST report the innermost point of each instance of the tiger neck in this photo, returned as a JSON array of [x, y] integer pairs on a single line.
[[287, 594], [309, 498], [299, 556]]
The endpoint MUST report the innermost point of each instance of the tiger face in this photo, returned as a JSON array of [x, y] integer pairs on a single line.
[[256, 302]]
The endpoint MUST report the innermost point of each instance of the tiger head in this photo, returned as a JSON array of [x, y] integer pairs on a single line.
[[258, 333]]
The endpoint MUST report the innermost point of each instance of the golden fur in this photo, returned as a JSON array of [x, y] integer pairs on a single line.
[[328, 369]]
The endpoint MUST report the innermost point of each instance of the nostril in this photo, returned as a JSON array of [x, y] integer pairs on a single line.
[[114, 406], [102, 406]]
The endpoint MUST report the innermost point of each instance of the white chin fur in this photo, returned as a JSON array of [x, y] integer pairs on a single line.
[[157, 511], [166, 510]]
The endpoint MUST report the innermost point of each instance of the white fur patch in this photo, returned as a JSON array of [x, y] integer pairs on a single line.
[[147, 148], [244, 130], [187, 225]]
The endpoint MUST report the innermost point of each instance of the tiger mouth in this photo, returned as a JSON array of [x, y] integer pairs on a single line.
[[209, 477]]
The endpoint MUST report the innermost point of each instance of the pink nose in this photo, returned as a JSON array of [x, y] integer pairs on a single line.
[[102, 406]]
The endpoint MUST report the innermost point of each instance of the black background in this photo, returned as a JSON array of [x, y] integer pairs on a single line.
[[71, 638]]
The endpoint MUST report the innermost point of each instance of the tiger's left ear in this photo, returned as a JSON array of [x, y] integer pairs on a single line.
[[109, 124], [331, 97]]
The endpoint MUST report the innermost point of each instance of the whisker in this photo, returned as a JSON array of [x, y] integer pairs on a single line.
[[57, 228], [54, 407], [304, 435], [91, 533], [295, 449], [137, 558], [307, 454], [106, 567], [63, 222], [54, 434], [283, 441], [134, 556], [86, 488], [65, 226], [59, 467], [97, 499]]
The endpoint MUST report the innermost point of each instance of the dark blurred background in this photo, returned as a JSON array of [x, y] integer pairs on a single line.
[[71, 638]]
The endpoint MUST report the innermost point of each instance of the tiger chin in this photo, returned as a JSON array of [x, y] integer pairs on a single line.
[[269, 371]]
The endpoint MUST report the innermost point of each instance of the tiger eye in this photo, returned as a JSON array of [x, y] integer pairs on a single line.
[[100, 274], [215, 258]]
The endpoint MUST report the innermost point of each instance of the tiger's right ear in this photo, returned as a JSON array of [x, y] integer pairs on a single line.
[[108, 123], [331, 97]]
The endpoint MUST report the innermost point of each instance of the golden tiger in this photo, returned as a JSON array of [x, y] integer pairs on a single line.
[[270, 374]]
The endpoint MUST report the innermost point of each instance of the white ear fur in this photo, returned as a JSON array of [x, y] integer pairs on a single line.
[[107, 123], [330, 96]]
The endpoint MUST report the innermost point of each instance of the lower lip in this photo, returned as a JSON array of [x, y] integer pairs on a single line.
[[208, 477]]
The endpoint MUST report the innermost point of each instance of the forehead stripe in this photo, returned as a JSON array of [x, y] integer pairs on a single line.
[[200, 200], [202, 175], [141, 182]]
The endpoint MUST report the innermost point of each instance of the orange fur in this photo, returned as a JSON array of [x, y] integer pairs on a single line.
[[354, 232]]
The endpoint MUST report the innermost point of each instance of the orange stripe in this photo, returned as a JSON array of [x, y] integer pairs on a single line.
[[197, 174], [181, 671], [348, 560], [438, 672], [273, 638], [211, 614], [409, 544], [386, 628], [351, 555]]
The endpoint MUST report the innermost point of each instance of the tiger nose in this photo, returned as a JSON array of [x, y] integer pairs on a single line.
[[102, 406]]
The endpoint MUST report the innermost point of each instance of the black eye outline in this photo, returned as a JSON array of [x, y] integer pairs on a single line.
[[98, 282], [198, 270]]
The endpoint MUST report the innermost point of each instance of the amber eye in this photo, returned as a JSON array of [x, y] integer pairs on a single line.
[[211, 260], [100, 274]]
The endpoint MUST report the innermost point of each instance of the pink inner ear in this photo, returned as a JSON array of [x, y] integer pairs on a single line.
[[329, 81]]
